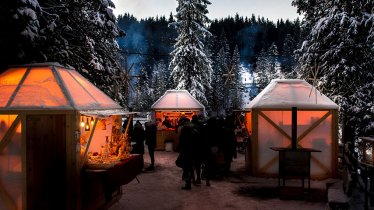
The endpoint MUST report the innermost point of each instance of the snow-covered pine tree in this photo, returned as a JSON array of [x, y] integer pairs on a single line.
[[142, 99], [268, 67], [275, 66], [340, 42], [160, 78], [289, 64], [20, 22], [221, 61], [237, 86], [84, 37], [216, 93], [190, 67], [262, 78]]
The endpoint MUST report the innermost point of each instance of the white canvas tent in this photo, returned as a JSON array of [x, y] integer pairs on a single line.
[[174, 104], [40, 115], [177, 100], [268, 119]]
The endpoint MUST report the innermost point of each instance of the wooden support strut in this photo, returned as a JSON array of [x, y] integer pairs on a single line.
[[306, 132], [88, 143], [7, 198], [275, 125], [127, 126], [10, 133], [4, 196]]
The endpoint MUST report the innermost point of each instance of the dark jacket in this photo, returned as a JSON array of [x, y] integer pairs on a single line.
[[150, 135], [138, 138]]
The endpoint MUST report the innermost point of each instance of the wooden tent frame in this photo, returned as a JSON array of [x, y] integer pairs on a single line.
[[72, 158], [253, 166]]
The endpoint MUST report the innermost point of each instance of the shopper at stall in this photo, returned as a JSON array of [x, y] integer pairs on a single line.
[[229, 143], [167, 122], [187, 135], [138, 138], [209, 147], [198, 150], [150, 141]]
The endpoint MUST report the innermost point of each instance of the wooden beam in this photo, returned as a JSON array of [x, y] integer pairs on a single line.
[[88, 144], [10, 133], [8, 202], [314, 125], [320, 164], [128, 124], [334, 143], [24, 161], [254, 142], [275, 125], [268, 164], [317, 161]]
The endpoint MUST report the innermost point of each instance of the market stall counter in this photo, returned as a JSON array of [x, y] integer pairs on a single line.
[[168, 110], [101, 184], [167, 135]]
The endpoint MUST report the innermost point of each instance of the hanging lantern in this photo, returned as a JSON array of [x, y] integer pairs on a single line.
[[92, 121], [82, 122], [87, 127]]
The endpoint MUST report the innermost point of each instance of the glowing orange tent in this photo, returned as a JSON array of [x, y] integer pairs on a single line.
[[40, 114], [268, 120], [40, 87], [174, 104]]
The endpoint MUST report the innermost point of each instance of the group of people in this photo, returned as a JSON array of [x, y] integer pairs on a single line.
[[207, 148]]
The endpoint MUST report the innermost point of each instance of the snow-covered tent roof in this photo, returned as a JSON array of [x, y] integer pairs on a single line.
[[177, 100], [287, 93], [50, 86]]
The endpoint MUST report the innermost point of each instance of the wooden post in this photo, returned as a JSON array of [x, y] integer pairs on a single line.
[[88, 143], [334, 144], [24, 161], [294, 128], [254, 142]]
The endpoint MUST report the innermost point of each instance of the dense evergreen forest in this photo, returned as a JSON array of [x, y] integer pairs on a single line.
[[150, 40]]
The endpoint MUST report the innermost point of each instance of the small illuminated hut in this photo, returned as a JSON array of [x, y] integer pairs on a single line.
[[174, 104], [40, 116], [268, 120]]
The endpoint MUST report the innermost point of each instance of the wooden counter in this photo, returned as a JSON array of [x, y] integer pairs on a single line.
[[163, 135], [101, 186]]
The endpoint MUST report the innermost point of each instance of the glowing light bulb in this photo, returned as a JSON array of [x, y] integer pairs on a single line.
[[82, 123], [92, 121], [87, 127]]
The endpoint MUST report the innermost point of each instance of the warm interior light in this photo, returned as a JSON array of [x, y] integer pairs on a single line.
[[87, 127], [82, 122], [92, 121]]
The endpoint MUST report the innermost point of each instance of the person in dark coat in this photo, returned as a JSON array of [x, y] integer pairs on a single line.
[[138, 138], [150, 141], [167, 122], [186, 151], [209, 147], [198, 150], [229, 143]]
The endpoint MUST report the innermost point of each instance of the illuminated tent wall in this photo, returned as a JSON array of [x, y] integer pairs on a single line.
[[40, 107], [268, 119], [174, 103], [177, 101]]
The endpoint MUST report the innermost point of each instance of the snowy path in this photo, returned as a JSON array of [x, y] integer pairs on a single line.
[[161, 190]]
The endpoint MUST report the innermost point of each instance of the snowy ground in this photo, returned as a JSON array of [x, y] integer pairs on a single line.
[[161, 190]]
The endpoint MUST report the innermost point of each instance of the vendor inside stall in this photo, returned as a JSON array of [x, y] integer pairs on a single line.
[[168, 127]]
